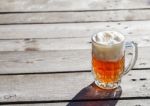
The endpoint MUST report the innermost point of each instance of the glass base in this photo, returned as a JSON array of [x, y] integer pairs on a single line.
[[107, 85]]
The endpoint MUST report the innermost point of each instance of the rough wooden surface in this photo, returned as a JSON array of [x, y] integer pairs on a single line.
[[61, 44], [143, 102], [56, 61], [106, 103], [69, 17], [67, 5], [50, 87], [73, 30], [45, 49]]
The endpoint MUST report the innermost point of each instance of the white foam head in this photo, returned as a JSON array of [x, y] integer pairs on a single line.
[[108, 45], [108, 38]]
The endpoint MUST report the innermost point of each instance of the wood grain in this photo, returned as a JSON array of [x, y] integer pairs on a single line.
[[99, 103], [145, 102], [50, 87], [72, 30], [73, 17], [56, 61], [61, 43], [67, 5], [45, 49]]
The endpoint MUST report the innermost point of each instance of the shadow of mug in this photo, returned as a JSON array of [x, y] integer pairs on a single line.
[[95, 96]]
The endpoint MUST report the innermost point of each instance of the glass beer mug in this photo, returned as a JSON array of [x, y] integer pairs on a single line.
[[108, 58]]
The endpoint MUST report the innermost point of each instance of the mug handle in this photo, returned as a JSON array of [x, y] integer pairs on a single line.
[[134, 56]]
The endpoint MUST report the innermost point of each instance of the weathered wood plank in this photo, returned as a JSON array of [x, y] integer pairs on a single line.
[[63, 17], [51, 87], [67, 5], [61, 44], [72, 30], [105, 103], [141, 102], [56, 61]]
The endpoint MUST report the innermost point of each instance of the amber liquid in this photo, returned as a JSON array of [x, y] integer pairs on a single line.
[[107, 71]]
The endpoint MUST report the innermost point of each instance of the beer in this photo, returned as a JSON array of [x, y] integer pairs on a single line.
[[107, 71], [108, 58]]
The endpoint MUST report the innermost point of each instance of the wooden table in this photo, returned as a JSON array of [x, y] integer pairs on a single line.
[[45, 51]]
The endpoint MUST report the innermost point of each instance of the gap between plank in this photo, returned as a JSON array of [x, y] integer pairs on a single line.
[[42, 38], [18, 12], [30, 23], [58, 101], [80, 71]]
